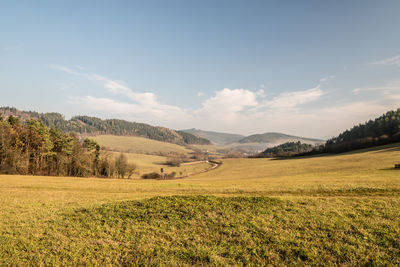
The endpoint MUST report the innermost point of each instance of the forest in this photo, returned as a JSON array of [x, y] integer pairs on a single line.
[[382, 130], [286, 150], [31, 148]]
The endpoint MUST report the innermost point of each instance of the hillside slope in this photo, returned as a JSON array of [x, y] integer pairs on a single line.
[[92, 125], [140, 145], [217, 138], [382, 130]]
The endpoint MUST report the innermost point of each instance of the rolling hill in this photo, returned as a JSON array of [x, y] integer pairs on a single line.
[[96, 126], [217, 138], [275, 138], [251, 143]]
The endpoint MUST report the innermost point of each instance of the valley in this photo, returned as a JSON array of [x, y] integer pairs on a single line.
[[305, 210], [199, 133]]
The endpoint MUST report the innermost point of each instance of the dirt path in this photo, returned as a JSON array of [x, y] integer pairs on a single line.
[[193, 162], [213, 164]]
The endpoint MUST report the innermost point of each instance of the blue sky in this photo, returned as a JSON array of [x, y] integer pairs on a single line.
[[311, 68]]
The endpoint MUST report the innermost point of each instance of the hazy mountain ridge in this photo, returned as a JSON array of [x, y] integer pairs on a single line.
[[251, 143], [93, 125], [218, 138], [274, 137]]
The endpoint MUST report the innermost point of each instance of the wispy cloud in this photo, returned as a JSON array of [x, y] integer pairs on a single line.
[[327, 78], [291, 100], [388, 88], [392, 61], [68, 70], [356, 91], [145, 105]]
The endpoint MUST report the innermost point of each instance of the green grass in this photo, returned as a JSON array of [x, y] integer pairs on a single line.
[[138, 145], [202, 230], [331, 210]]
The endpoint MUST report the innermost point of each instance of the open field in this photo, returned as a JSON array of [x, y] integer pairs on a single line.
[[138, 145], [153, 163], [335, 209]]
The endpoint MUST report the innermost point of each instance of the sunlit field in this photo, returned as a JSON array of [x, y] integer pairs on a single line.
[[337, 209], [153, 163], [140, 145]]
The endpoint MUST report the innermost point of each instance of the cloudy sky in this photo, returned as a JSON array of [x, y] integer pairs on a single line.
[[310, 68]]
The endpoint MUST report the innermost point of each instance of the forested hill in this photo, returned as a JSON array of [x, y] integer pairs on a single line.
[[277, 138], [382, 130], [92, 125], [286, 150]]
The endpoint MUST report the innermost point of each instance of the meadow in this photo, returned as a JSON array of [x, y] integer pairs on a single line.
[[139, 145], [153, 163], [329, 210]]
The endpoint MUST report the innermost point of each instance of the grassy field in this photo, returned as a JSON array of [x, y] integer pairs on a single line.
[[138, 145], [331, 210], [153, 163]]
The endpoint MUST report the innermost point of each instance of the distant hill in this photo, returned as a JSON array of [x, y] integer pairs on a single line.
[[217, 138], [93, 125], [286, 150], [252, 143], [277, 138]]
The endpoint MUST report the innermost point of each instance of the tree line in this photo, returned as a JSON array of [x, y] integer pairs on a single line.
[[32, 148], [286, 150], [382, 130]]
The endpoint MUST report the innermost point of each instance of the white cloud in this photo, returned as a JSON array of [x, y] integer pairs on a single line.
[[227, 104], [120, 88], [233, 100], [386, 89], [134, 112], [326, 79], [356, 91], [241, 110], [291, 100], [200, 94], [261, 93], [388, 61], [145, 106], [113, 86], [67, 70]]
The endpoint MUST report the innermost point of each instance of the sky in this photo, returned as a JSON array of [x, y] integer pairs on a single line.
[[308, 68]]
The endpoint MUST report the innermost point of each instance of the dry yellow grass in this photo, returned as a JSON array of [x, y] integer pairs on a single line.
[[339, 209], [138, 145], [371, 169], [153, 163]]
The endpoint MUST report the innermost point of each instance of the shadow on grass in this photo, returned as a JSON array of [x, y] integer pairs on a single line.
[[390, 169]]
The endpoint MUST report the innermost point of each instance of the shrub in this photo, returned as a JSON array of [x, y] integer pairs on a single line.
[[151, 175], [170, 175]]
